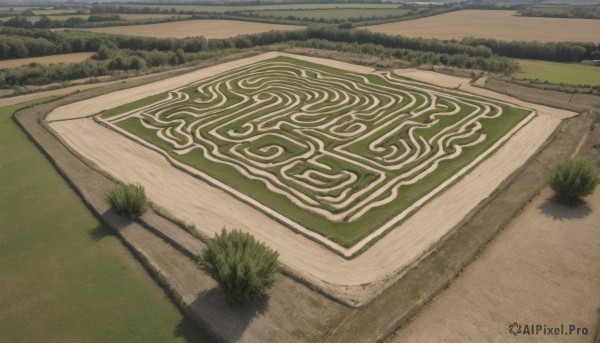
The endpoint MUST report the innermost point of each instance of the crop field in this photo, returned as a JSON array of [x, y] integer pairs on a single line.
[[208, 28], [127, 17], [342, 13], [216, 8], [340, 153], [567, 73], [496, 24]]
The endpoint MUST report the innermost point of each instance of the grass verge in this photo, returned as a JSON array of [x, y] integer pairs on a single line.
[[565, 73], [65, 278]]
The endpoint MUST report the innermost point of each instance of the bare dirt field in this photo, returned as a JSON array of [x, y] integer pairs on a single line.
[[189, 28], [356, 280], [64, 58], [503, 25], [543, 269]]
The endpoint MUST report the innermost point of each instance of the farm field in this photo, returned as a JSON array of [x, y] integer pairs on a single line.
[[496, 24], [208, 28], [310, 147], [213, 8], [343, 13], [65, 277], [63, 58], [127, 17], [567, 73]]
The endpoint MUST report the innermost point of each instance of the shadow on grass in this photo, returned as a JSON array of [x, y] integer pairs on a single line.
[[228, 321], [187, 330], [558, 211], [99, 232]]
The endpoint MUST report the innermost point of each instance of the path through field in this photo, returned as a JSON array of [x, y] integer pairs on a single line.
[[189, 28], [503, 25], [210, 208], [542, 269]]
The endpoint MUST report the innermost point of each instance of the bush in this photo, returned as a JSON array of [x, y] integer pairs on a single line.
[[128, 199], [242, 266], [572, 179]]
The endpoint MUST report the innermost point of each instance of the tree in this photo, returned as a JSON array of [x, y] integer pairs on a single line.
[[128, 199], [572, 179], [242, 266]]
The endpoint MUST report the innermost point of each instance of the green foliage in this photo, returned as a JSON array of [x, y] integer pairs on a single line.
[[572, 179], [242, 266], [128, 199]]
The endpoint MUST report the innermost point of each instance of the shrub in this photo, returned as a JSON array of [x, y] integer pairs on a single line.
[[242, 266], [572, 179], [128, 199]]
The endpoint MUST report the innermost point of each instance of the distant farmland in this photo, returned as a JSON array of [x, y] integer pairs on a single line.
[[63, 58], [503, 25], [207, 28]]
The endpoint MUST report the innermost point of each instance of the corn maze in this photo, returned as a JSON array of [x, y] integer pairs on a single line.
[[337, 152]]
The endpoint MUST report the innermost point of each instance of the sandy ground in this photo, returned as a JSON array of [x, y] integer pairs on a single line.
[[503, 25], [208, 28], [442, 80], [542, 269], [210, 208], [64, 58]]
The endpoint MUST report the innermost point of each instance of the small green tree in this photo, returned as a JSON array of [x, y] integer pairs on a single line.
[[242, 266], [572, 179], [128, 199]]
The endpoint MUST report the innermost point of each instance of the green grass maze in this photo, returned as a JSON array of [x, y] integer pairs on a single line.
[[339, 153]]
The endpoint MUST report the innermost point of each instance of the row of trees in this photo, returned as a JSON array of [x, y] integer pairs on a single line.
[[15, 43]]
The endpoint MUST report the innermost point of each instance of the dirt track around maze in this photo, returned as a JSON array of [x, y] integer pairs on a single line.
[[209, 208]]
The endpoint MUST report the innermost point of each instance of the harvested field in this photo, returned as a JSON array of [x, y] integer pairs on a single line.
[[503, 25], [188, 28], [209, 208], [64, 58]]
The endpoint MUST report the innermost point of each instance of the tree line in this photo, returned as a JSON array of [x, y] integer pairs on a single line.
[[17, 43], [117, 53]]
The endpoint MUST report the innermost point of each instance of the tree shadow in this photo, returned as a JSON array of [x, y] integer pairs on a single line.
[[558, 211], [227, 321], [191, 333], [98, 232]]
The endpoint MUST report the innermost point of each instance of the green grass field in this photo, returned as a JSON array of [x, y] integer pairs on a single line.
[[325, 177], [64, 277], [567, 73]]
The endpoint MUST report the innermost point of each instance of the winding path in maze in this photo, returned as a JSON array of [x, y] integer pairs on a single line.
[[209, 208]]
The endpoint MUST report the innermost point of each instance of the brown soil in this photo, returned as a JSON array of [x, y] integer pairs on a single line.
[[208, 28], [64, 58], [503, 25], [543, 268]]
